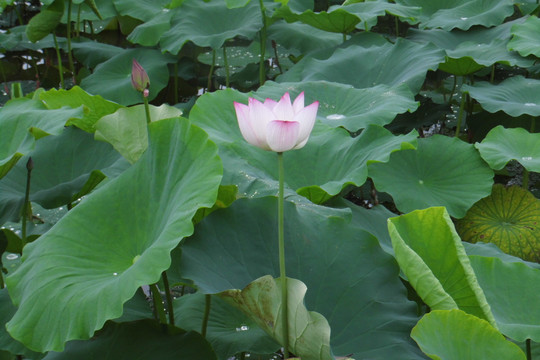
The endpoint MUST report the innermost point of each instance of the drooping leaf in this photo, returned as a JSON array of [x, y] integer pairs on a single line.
[[126, 129], [229, 330], [369, 11], [145, 339], [515, 96], [309, 332], [509, 218], [92, 53], [511, 289], [302, 37], [210, 24], [456, 335], [428, 176], [139, 217], [112, 78], [94, 106], [23, 121], [337, 20], [63, 166], [503, 145], [525, 37], [143, 10], [149, 33], [430, 253], [350, 279], [45, 21], [402, 62]]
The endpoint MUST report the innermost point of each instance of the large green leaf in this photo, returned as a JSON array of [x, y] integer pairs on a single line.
[[430, 253], [509, 218], [210, 23], [337, 19], [92, 53], [503, 145], [456, 335], [350, 280], [145, 339], [94, 107], [45, 21], [461, 14], [229, 330], [126, 129], [63, 166], [343, 105], [309, 332], [112, 78], [402, 62], [511, 290], [443, 171], [302, 38], [149, 33], [525, 40], [515, 96], [369, 11], [143, 10], [23, 121], [311, 171], [116, 240]]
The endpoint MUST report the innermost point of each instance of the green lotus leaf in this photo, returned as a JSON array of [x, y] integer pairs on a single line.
[[337, 20], [309, 333], [45, 21], [428, 176], [343, 105], [7, 343], [143, 10], [16, 40], [126, 129], [515, 96], [229, 330], [210, 24], [92, 53], [461, 14], [492, 250], [112, 78], [430, 253], [311, 171], [95, 107], [138, 217], [456, 335], [509, 218], [503, 145], [369, 11], [23, 121], [302, 38], [402, 62], [149, 33], [145, 339], [63, 166], [510, 289], [525, 37], [350, 280]]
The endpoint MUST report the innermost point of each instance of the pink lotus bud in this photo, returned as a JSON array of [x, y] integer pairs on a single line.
[[139, 77], [276, 126]]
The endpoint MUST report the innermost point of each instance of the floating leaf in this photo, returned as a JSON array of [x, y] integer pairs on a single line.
[[515, 96], [430, 253], [525, 37], [509, 218], [360, 294], [309, 332], [456, 335], [510, 289], [456, 177], [139, 217], [503, 145]]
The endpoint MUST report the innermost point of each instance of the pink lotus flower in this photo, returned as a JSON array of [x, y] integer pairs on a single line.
[[139, 77], [276, 126]]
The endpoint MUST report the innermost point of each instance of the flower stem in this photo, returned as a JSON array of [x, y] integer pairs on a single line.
[[168, 296], [209, 84], [158, 304], [26, 207], [282, 273], [460, 113], [207, 303], [59, 57], [226, 65], [68, 37], [147, 110], [176, 82], [528, 349], [262, 72]]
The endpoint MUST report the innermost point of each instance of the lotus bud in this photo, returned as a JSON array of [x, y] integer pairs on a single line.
[[139, 77]]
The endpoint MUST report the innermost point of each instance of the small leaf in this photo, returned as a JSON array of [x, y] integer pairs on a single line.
[[456, 335], [309, 332], [509, 218]]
